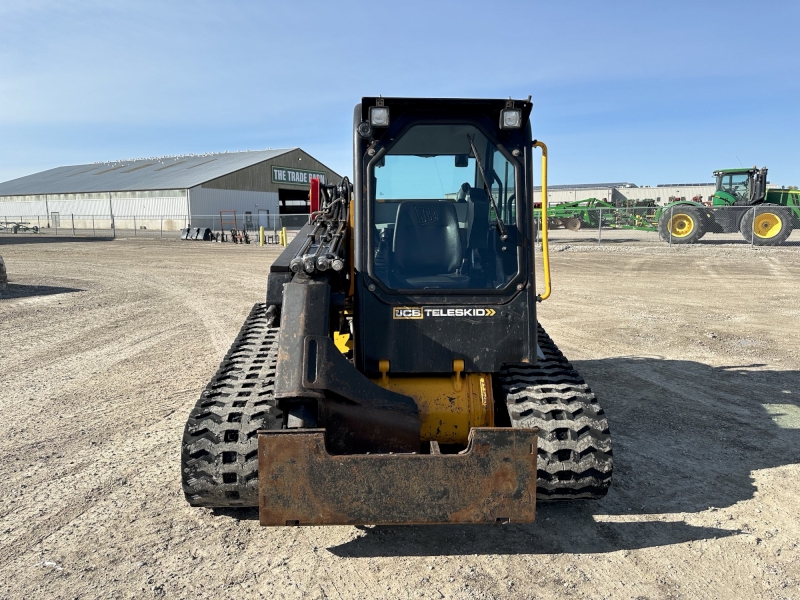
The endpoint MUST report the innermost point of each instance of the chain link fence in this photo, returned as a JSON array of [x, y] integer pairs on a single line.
[[760, 225], [147, 226]]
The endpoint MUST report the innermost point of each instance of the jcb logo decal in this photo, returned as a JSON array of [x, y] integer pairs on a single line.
[[406, 312], [426, 215], [419, 312]]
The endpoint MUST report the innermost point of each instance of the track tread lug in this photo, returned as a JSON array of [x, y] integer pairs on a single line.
[[574, 454], [221, 473]]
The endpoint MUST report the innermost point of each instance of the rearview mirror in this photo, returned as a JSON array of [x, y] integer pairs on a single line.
[[462, 160]]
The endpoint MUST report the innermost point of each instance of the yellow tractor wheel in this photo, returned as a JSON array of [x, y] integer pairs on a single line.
[[766, 225], [681, 225]]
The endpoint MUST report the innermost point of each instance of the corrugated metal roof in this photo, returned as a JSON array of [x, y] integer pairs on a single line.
[[165, 173]]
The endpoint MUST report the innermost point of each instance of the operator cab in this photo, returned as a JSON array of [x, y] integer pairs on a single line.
[[736, 183], [744, 186], [442, 200], [443, 246]]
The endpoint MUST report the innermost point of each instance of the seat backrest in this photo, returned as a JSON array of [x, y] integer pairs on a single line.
[[426, 239], [477, 218]]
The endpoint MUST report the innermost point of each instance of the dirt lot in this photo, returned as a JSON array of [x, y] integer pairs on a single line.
[[694, 352]]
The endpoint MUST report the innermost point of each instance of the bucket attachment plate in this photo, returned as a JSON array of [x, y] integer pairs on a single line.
[[492, 481]]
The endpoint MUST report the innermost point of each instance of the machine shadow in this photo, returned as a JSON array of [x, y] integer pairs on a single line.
[[687, 437], [239, 514], [16, 290], [570, 535]]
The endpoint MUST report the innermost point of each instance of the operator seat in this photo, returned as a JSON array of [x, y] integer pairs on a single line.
[[427, 249], [477, 219]]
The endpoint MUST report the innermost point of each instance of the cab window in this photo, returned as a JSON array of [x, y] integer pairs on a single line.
[[432, 220]]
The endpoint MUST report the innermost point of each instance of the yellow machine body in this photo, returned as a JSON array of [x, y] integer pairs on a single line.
[[449, 406]]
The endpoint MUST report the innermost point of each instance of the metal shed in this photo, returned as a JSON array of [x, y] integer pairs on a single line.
[[264, 187]]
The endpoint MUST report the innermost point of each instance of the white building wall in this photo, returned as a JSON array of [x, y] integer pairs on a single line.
[[171, 213], [80, 207], [573, 195], [660, 194], [167, 213], [41, 212], [14, 209], [207, 202], [149, 207]]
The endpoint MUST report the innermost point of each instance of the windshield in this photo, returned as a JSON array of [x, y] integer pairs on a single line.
[[433, 222], [735, 185]]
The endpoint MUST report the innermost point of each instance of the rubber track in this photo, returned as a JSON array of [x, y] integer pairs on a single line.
[[219, 455], [574, 457]]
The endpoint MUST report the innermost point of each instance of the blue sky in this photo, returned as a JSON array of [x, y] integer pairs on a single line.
[[648, 92]]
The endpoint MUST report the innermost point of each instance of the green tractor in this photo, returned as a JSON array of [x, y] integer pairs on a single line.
[[741, 203]]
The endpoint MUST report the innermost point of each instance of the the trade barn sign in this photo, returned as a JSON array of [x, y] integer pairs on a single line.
[[295, 176]]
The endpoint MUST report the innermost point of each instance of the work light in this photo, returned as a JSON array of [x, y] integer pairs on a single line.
[[379, 116], [510, 118]]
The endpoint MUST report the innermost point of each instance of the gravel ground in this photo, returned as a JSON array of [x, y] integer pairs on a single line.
[[694, 352]]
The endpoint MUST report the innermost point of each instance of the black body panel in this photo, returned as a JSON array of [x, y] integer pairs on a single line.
[[279, 271], [281, 264], [727, 219], [359, 415], [275, 283], [452, 327]]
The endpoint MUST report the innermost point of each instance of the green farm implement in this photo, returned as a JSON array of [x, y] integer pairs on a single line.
[[594, 213], [742, 202]]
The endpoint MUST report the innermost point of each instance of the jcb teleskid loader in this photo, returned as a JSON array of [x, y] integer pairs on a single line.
[[397, 372]]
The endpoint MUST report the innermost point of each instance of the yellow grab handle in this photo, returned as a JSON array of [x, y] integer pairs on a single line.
[[545, 248]]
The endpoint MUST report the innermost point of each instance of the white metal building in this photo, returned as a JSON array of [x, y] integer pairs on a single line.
[[622, 192], [265, 187]]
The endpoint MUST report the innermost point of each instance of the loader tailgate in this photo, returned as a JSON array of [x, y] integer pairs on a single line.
[[492, 481]]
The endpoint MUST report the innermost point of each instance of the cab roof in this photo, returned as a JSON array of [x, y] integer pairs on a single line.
[[733, 171]]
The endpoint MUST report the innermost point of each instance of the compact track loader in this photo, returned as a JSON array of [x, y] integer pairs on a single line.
[[396, 372]]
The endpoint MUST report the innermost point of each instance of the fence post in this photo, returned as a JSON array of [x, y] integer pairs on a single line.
[[94, 233], [134, 226], [600, 228], [38, 224]]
